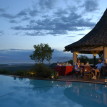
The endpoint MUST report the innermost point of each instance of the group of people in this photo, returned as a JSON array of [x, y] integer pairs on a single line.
[[63, 64], [100, 70]]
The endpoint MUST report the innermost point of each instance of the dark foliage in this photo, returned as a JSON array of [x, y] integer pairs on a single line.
[[42, 52], [37, 70], [42, 71]]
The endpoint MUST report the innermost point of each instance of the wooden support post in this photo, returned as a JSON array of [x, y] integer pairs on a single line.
[[105, 52], [94, 56], [94, 61], [74, 58]]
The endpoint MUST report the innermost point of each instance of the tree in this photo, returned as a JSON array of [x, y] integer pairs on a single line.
[[101, 56], [42, 52], [83, 59]]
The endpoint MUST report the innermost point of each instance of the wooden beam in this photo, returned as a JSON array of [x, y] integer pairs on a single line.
[[74, 58], [105, 52]]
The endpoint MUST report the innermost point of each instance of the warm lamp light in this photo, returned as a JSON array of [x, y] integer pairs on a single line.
[[94, 54], [77, 53]]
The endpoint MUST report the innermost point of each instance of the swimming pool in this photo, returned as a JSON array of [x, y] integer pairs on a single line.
[[18, 92]]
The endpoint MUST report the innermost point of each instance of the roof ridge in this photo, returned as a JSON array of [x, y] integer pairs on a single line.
[[96, 37]]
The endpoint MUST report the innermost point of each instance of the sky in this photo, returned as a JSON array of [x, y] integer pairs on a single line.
[[24, 23]]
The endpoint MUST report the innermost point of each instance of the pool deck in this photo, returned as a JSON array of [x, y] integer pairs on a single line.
[[68, 78], [74, 79]]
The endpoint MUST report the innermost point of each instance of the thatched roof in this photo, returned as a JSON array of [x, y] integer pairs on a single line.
[[97, 37]]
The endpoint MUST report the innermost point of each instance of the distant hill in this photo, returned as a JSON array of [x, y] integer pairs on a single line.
[[22, 56], [60, 56]]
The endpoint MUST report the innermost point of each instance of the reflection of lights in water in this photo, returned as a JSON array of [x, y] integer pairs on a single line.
[[69, 86], [52, 81], [57, 85], [90, 84], [105, 85]]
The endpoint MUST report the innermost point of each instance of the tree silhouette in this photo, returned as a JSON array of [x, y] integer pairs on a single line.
[[42, 52]]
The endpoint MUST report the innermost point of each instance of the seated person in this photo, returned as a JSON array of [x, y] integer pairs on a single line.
[[98, 68], [77, 69], [99, 65], [87, 64], [77, 65], [87, 67], [78, 62], [82, 64], [104, 69]]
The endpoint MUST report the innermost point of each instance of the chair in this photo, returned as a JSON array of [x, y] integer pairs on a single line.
[[97, 73], [87, 73], [104, 71]]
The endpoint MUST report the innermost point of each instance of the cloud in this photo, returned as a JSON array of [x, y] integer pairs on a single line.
[[35, 33], [48, 17], [2, 10], [46, 32], [56, 32], [61, 12], [38, 7], [1, 33], [59, 24], [13, 21], [90, 5], [46, 4], [7, 15], [33, 12], [71, 36], [22, 14], [81, 34]]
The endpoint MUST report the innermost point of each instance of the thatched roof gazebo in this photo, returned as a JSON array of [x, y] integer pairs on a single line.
[[94, 42]]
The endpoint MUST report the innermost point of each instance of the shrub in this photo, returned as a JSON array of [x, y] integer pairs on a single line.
[[39, 70], [20, 73], [54, 74], [42, 71], [4, 72]]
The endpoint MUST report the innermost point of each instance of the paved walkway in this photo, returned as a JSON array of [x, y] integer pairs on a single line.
[[74, 79]]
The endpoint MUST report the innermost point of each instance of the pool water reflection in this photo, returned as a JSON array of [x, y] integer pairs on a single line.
[[18, 92]]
